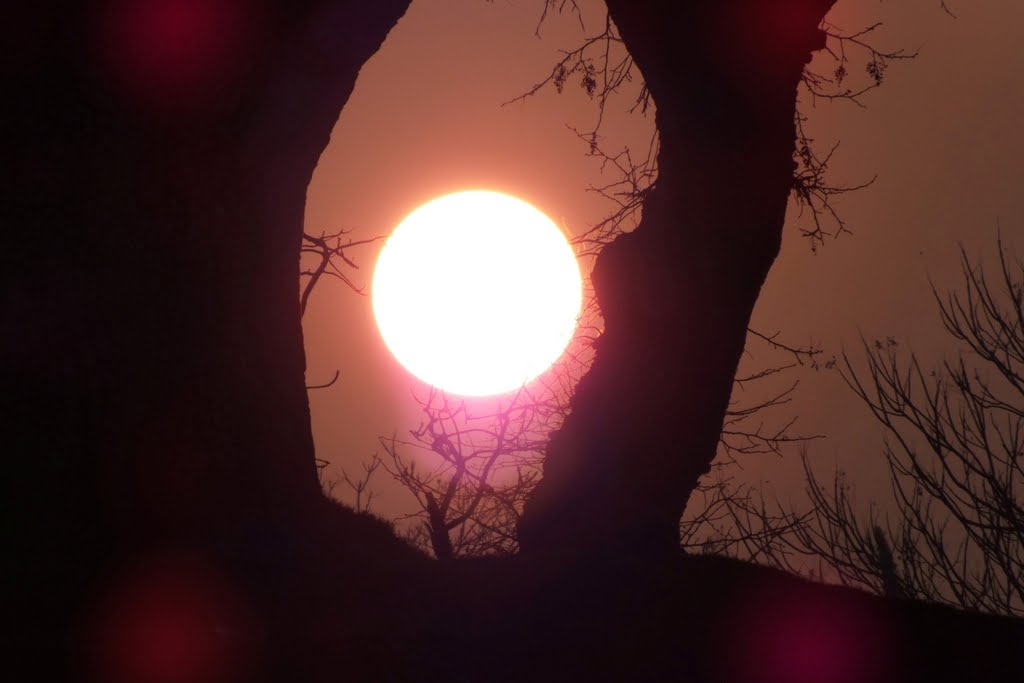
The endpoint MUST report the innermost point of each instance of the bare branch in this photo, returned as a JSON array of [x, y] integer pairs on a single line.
[[329, 250], [955, 453]]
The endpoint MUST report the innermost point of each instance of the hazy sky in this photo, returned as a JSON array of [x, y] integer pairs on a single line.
[[943, 136]]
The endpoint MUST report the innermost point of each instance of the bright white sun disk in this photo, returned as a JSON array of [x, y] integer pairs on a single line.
[[476, 292]]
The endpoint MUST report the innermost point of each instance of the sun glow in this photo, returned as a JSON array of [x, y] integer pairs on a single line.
[[476, 293]]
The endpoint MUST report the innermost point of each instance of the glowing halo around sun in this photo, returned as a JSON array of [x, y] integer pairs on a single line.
[[476, 293]]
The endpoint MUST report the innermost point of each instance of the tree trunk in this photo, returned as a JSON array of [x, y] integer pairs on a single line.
[[677, 293], [153, 356]]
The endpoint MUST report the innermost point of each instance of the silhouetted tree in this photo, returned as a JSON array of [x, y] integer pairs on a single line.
[[153, 359], [155, 382], [954, 531]]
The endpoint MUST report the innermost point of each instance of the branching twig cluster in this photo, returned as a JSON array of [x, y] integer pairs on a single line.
[[728, 518], [632, 179], [814, 192], [470, 472], [813, 189], [603, 67], [842, 52], [327, 253], [755, 394], [362, 495], [559, 6], [601, 64], [954, 531]]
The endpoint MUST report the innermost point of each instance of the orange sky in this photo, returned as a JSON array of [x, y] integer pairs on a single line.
[[943, 135]]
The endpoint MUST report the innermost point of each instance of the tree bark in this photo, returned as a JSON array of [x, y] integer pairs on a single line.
[[153, 359], [677, 293]]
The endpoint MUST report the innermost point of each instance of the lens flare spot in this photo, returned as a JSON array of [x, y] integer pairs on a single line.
[[173, 53], [172, 621]]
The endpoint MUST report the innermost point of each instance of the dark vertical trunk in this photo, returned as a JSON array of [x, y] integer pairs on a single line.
[[677, 293], [153, 357]]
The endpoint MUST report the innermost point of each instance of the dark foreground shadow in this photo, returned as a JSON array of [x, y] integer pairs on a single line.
[[339, 598]]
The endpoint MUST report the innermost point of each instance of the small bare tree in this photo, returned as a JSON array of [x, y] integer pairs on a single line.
[[471, 464], [469, 472], [955, 451]]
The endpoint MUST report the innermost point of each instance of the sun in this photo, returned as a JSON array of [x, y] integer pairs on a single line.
[[476, 293]]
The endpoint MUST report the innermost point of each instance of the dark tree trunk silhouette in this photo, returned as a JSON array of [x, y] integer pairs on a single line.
[[155, 375], [677, 293], [164, 257]]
